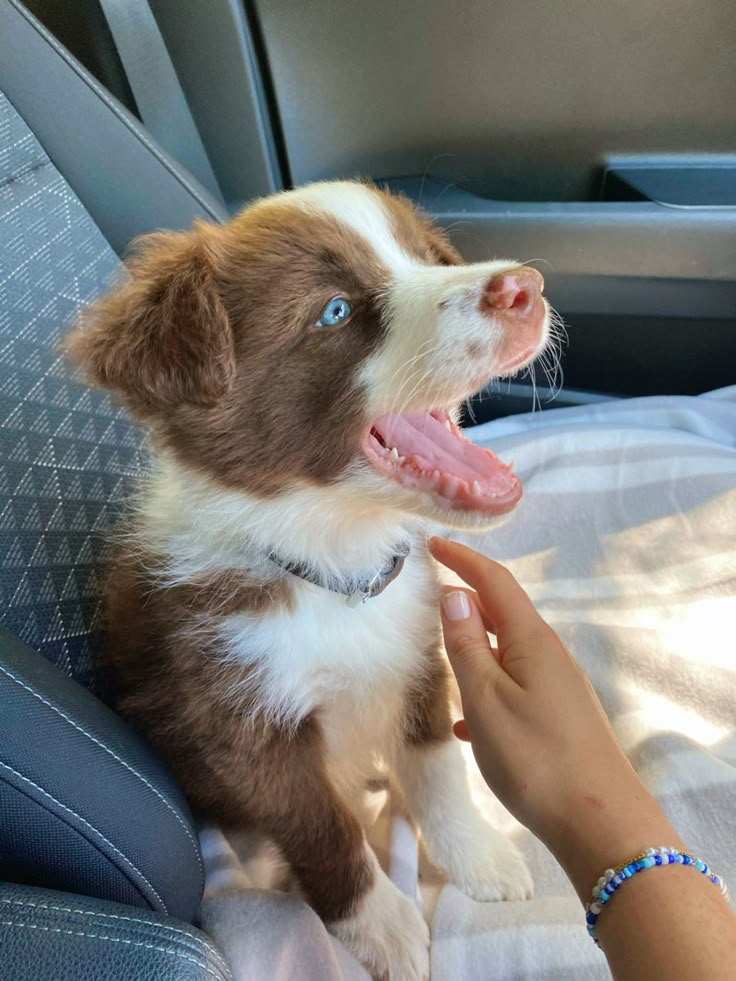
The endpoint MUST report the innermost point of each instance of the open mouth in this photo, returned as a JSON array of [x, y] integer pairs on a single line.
[[426, 451]]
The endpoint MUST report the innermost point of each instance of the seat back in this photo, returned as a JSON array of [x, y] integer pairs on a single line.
[[68, 455], [78, 174]]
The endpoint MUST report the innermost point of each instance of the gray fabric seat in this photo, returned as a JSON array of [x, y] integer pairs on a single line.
[[87, 807], [67, 453]]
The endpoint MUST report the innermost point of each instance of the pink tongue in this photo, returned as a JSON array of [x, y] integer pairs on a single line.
[[420, 435]]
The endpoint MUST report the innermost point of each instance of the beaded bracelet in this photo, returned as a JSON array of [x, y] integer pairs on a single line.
[[611, 879]]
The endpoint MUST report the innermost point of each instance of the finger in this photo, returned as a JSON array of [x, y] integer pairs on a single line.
[[501, 596], [488, 623], [460, 728], [489, 626], [467, 644]]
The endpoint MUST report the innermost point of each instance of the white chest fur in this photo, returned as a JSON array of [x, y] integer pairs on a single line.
[[351, 665]]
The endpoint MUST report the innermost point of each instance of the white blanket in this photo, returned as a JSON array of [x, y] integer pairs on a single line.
[[626, 541]]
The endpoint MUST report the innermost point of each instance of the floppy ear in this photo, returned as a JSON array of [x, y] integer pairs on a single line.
[[162, 338]]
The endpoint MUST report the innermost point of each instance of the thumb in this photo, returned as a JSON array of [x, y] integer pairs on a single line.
[[466, 641]]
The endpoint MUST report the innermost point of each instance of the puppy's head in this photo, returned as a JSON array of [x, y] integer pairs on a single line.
[[325, 336]]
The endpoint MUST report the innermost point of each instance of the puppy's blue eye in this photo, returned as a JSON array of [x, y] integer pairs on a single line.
[[337, 310]]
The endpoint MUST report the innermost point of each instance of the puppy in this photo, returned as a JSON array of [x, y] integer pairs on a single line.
[[271, 617]]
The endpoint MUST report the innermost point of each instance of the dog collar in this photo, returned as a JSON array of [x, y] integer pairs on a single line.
[[356, 587]]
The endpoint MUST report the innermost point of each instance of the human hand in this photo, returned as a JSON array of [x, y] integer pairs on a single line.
[[538, 731]]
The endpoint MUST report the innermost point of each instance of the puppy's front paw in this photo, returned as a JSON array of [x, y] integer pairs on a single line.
[[485, 865], [387, 934], [494, 870]]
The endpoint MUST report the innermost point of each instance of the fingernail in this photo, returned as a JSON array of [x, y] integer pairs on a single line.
[[456, 606], [437, 541]]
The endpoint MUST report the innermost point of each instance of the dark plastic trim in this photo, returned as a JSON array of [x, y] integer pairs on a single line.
[[599, 257], [692, 181]]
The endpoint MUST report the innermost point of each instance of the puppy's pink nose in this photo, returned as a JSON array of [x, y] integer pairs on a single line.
[[517, 291]]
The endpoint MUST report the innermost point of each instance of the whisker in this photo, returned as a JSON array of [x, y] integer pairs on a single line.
[[434, 159], [528, 262], [423, 377], [425, 350], [421, 350]]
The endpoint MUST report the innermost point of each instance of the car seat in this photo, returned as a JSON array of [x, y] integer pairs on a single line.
[[100, 862]]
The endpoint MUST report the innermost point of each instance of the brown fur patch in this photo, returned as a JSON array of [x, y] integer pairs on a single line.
[[419, 236], [235, 766], [229, 591], [427, 711], [162, 338]]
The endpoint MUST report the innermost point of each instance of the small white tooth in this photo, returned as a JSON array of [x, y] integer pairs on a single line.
[[476, 488], [394, 453], [401, 459]]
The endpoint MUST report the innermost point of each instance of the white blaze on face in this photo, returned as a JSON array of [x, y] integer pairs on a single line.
[[360, 208], [439, 348]]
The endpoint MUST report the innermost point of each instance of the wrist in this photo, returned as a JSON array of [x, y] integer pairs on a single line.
[[600, 832]]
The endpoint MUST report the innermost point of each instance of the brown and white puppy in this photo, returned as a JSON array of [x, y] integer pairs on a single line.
[[300, 369]]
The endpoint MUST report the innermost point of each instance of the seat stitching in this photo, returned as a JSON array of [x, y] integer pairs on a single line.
[[94, 830], [117, 916], [30, 169], [115, 756], [115, 940]]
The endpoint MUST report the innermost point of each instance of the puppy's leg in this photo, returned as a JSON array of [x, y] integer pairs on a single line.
[[476, 857], [338, 873]]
